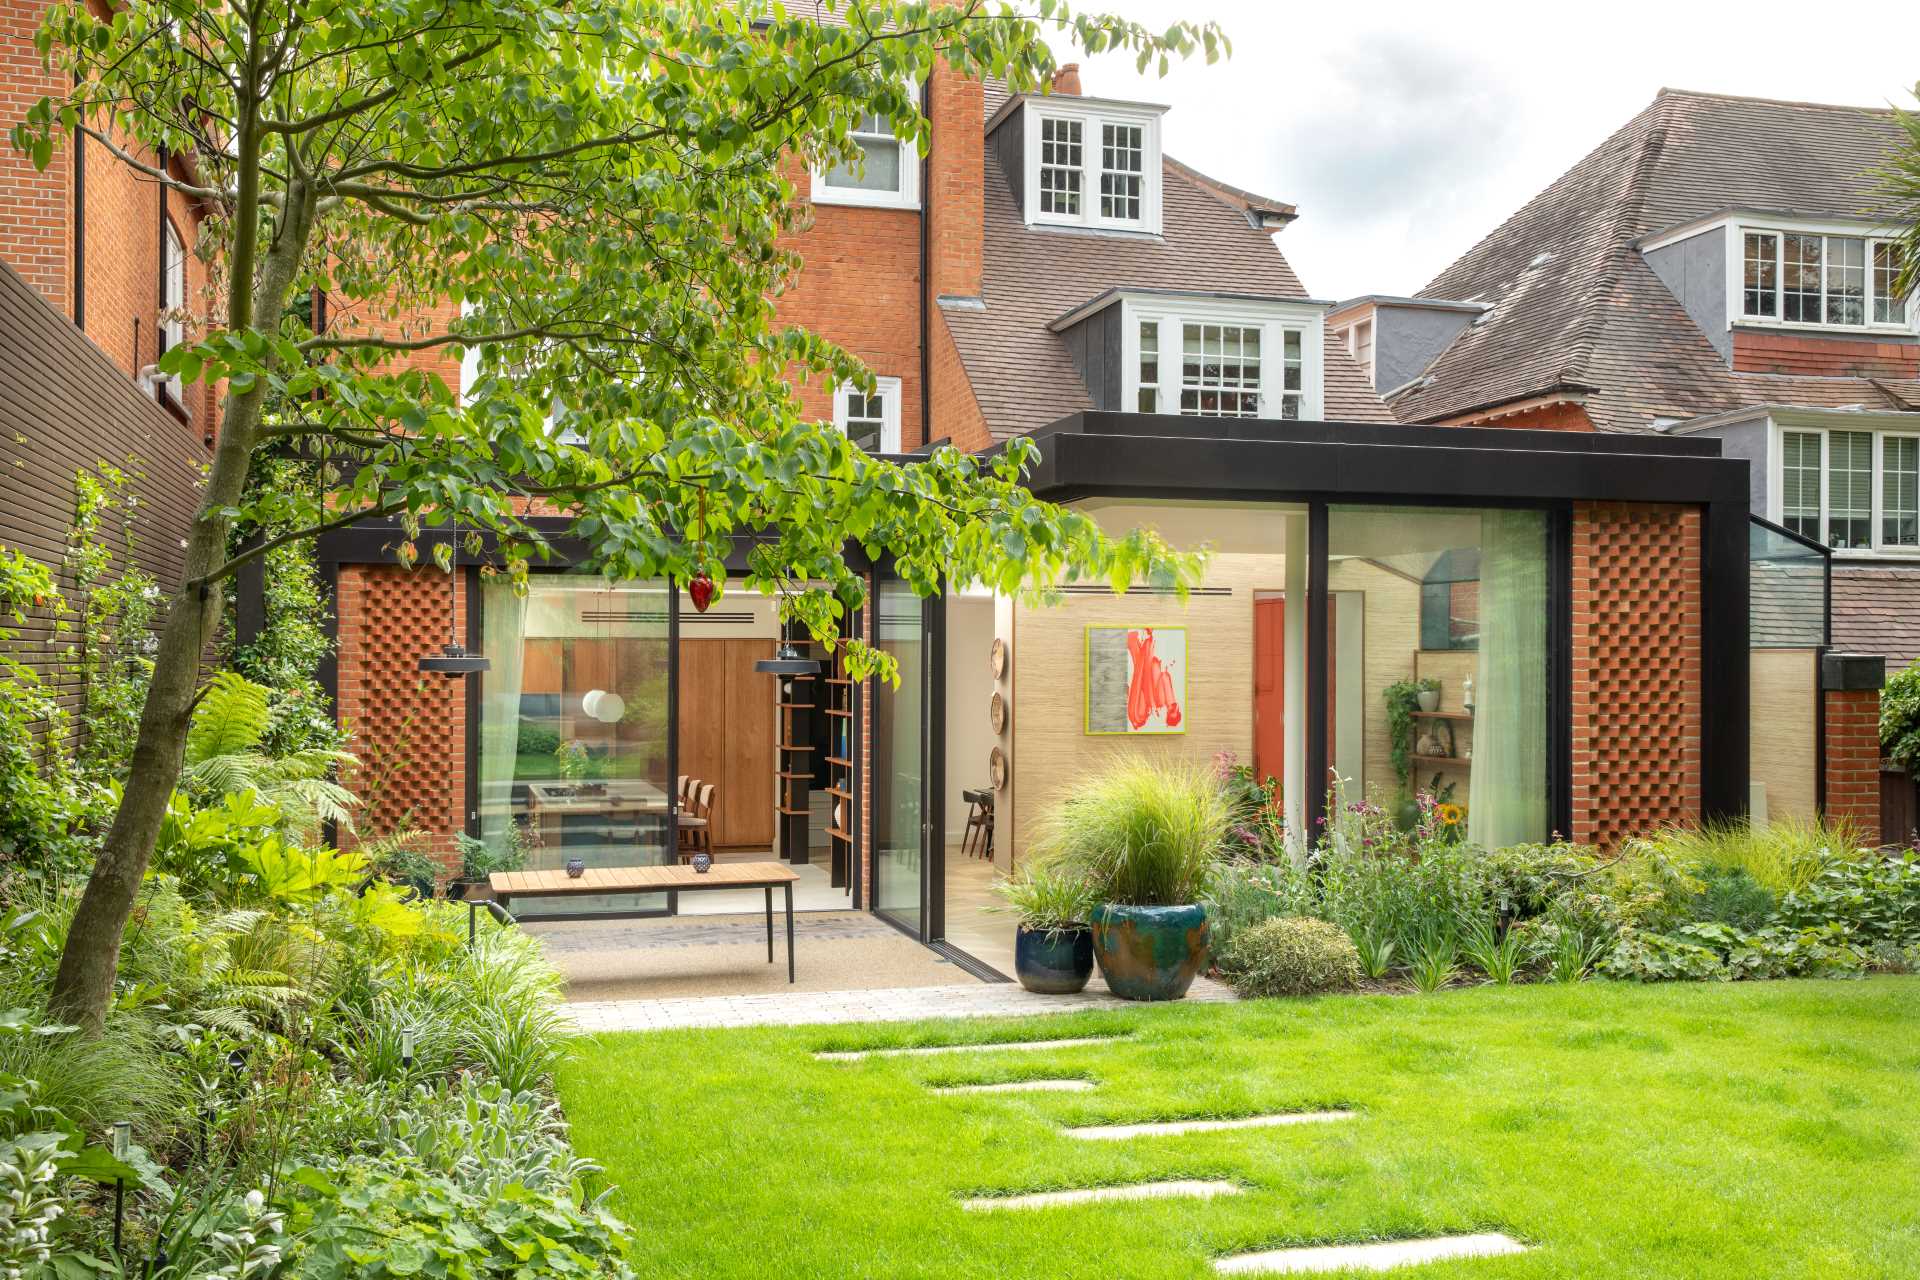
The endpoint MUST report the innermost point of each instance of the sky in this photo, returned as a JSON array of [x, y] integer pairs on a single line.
[[1405, 132]]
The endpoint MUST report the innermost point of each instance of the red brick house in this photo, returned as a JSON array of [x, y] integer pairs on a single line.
[[1713, 270]]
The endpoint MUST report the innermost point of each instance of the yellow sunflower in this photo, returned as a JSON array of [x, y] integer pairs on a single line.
[[1451, 815]]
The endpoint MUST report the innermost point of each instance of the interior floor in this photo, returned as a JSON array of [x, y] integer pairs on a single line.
[[812, 892], [985, 935]]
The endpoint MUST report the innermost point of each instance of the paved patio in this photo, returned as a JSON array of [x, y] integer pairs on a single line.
[[896, 1004]]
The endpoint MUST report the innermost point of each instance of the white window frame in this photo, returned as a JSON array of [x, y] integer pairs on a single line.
[[1093, 114], [888, 389], [171, 331], [907, 196], [1878, 546], [1780, 229], [1272, 318]]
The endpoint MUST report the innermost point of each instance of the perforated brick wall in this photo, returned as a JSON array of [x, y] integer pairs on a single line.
[[409, 729], [1636, 668]]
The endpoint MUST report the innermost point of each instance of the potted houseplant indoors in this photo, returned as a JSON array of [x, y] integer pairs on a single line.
[[1052, 944], [1145, 837]]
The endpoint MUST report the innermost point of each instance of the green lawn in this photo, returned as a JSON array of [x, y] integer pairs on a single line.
[[1759, 1129]]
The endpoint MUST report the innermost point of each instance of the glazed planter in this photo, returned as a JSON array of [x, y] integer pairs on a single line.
[[1150, 953], [1429, 699], [1053, 962]]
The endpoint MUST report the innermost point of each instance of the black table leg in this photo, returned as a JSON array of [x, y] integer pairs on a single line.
[[789, 888], [769, 924]]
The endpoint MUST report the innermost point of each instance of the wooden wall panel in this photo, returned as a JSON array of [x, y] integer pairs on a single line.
[[726, 735], [1784, 747]]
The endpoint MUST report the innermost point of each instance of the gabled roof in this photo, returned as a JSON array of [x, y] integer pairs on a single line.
[[1574, 304], [1021, 371]]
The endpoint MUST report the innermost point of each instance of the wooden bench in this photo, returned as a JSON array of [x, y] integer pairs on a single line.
[[596, 881]]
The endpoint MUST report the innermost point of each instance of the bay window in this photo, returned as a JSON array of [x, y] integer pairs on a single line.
[[1092, 163], [1853, 490], [1810, 278]]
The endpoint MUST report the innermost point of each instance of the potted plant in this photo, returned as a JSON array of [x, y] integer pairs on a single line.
[[479, 860], [1052, 944], [1145, 837], [1427, 691]]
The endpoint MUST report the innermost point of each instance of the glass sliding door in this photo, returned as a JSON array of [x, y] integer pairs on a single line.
[[1438, 656], [573, 728], [900, 760]]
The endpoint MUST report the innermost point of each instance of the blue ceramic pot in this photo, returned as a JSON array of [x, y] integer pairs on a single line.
[[1150, 953], [1056, 963]]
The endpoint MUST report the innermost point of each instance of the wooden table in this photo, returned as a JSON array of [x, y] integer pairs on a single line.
[[508, 885], [550, 804]]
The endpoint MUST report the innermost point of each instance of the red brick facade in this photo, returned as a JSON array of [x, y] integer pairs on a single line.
[[1637, 630], [1852, 751], [409, 728], [120, 274], [1808, 355]]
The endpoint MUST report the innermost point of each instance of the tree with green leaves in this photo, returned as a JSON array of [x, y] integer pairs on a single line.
[[598, 186]]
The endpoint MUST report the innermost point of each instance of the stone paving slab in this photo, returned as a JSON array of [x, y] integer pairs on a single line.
[[1167, 1128], [1385, 1256], [1191, 1187], [801, 1008], [981, 1046], [1020, 1086]]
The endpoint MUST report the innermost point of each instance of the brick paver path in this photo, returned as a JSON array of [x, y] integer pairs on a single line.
[[898, 1004]]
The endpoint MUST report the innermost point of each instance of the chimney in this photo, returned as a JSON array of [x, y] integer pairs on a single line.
[[1066, 80]]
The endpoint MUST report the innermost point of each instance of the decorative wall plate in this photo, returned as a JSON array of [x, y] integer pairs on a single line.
[[997, 768], [998, 658], [997, 714]]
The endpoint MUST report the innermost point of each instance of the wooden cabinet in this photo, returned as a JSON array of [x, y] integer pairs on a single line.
[[726, 736]]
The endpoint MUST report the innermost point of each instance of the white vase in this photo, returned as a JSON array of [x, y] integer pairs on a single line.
[[1429, 699]]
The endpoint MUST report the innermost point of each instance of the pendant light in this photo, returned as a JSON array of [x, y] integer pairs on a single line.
[[787, 660], [453, 661]]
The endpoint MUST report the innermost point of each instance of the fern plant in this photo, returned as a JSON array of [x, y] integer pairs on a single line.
[[225, 757]]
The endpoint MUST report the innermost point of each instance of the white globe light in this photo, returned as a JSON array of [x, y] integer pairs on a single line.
[[590, 702], [609, 708]]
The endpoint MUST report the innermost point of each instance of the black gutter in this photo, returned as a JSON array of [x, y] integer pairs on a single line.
[[79, 226]]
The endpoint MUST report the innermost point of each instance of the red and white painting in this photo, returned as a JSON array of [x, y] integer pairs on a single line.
[[1136, 680]]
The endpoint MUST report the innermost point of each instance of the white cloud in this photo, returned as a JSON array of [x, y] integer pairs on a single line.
[[1405, 132]]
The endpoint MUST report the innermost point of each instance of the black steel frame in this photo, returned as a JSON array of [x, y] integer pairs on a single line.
[[1317, 464]]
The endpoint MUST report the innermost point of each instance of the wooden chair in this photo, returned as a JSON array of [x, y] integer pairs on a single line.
[[979, 825], [696, 829]]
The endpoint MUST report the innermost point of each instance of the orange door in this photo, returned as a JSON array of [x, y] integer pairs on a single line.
[[1269, 687]]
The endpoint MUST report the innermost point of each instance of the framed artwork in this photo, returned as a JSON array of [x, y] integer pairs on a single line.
[[1136, 680]]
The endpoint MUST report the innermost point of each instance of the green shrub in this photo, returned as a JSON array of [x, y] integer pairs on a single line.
[[1243, 894], [1291, 956], [1900, 718], [537, 740], [1876, 899], [1654, 957], [1784, 855], [1731, 896], [1142, 832]]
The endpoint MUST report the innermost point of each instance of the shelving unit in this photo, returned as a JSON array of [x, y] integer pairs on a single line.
[[795, 701], [1453, 720], [839, 692]]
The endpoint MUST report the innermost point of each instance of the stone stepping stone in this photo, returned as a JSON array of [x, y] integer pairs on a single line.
[[1383, 1256], [854, 1055], [1119, 1132], [1189, 1187], [1020, 1086]]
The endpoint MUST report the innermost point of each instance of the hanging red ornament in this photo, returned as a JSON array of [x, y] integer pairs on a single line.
[[700, 591]]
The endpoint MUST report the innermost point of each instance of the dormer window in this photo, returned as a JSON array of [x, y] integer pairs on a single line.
[[1092, 163], [887, 175], [1808, 277], [1216, 358]]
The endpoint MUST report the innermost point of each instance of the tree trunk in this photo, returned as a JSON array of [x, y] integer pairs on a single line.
[[83, 986]]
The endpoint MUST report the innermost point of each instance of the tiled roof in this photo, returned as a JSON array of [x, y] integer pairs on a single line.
[[1874, 612], [1576, 305], [1022, 375]]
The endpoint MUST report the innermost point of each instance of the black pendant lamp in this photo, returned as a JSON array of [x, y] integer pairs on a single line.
[[787, 660], [453, 661]]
